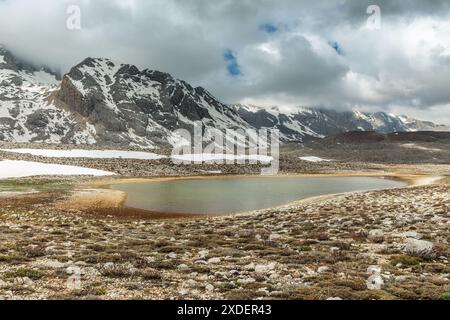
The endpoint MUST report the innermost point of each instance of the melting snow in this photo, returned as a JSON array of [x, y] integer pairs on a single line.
[[313, 159], [18, 169], [95, 154], [2, 59]]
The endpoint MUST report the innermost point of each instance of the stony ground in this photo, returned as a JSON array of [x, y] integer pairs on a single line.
[[348, 160], [378, 245]]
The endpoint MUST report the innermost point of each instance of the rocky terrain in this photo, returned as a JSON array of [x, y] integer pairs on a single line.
[[391, 244], [372, 147]]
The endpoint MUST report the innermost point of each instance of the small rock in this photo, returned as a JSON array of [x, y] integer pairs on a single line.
[[250, 267], [52, 264], [401, 278], [374, 270], [203, 254], [274, 237], [209, 287], [261, 268], [323, 269], [172, 255], [245, 281], [214, 260], [191, 282], [375, 282], [334, 299], [183, 292], [376, 236], [3, 284], [25, 281], [413, 235], [274, 276], [182, 267]]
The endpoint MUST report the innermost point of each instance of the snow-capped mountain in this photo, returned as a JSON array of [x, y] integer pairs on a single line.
[[103, 102], [124, 105], [26, 111], [305, 123]]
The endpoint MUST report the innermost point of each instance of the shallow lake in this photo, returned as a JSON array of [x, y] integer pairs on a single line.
[[230, 195]]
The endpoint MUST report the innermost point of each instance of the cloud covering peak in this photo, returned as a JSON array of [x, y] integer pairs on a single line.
[[286, 53]]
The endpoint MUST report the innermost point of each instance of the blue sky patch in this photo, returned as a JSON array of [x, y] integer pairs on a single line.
[[233, 67], [337, 47], [268, 27]]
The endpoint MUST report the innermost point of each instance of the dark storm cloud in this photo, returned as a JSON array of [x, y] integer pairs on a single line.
[[291, 52]]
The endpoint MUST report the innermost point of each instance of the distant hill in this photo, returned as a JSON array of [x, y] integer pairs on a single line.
[[372, 136]]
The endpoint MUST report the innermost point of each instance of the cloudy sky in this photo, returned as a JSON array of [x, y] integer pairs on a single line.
[[267, 52]]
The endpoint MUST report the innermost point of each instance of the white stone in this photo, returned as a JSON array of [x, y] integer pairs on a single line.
[[261, 268], [203, 254], [323, 269], [250, 267], [209, 287], [183, 292], [172, 255], [214, 260], [374, 270], [375, 282], [246, 281]]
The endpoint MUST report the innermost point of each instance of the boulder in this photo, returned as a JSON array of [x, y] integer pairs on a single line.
[[375, 282], [419, 248], [376, 236]]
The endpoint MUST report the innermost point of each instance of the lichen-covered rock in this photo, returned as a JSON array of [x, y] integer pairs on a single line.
[[419, 248]]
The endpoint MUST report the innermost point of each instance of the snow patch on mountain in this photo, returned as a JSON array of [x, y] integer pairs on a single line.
[[92, 154], [18, 169]]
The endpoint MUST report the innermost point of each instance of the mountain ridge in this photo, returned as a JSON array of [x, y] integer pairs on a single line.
[[103, 102]]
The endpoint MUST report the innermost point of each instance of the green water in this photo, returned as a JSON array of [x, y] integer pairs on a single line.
[[221, 196]]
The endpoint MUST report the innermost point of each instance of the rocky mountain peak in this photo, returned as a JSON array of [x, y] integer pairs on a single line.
[[115, 104]]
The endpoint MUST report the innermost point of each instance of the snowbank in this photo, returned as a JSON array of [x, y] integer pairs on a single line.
[[19, 169], [314, 159], [94, 154]]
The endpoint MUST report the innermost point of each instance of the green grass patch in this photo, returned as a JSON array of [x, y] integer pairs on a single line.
[[34, 184], [445, 180], [406, 261], [24, 272]]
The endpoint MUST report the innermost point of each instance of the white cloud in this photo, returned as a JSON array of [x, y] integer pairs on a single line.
[[403, 66]]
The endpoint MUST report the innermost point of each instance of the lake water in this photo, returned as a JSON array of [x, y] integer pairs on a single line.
[[230, 195]]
